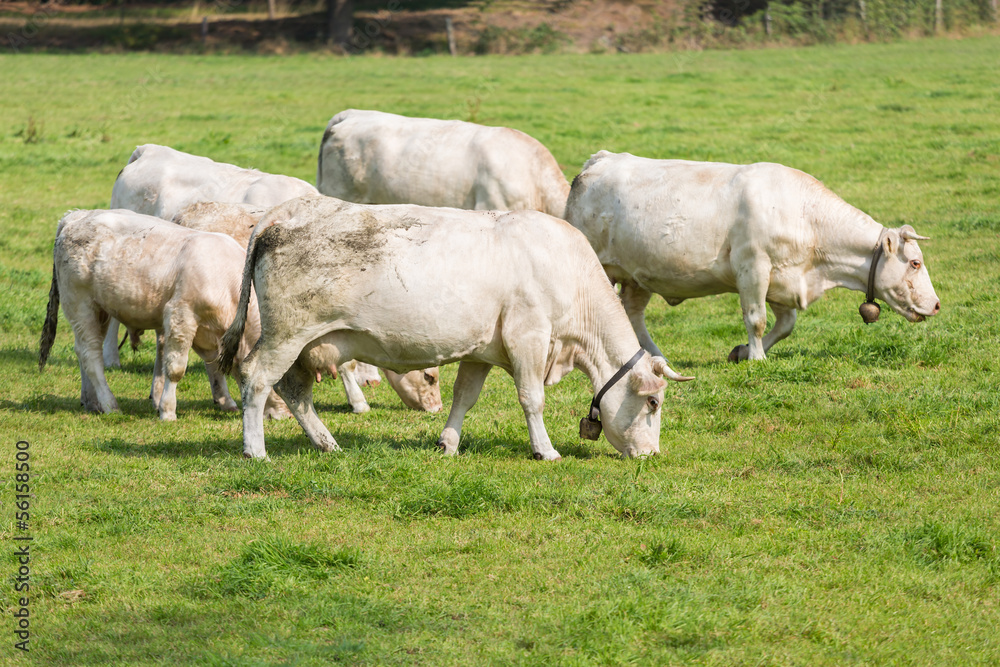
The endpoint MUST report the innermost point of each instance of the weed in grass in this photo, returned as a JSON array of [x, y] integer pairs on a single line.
[[276, 563], [32, 132], [934, 543], [662, 553], [461, 496]]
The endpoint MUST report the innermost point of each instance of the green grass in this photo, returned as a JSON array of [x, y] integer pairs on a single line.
[[834, 505]]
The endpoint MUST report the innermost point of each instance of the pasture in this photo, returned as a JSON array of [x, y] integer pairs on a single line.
[[834, 505]]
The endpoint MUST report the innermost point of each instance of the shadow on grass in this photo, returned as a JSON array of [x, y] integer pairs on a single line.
[[338, 628], [23, 355], [297, 444], [128, 407]]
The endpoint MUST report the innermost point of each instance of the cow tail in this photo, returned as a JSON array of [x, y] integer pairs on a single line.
[[234, 334], [51, 320]]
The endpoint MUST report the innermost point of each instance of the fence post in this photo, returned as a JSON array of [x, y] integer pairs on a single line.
[[451, 36], [938, 15]]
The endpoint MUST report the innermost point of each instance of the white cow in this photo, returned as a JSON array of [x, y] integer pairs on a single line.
[[768, 232], [160, 181], [371, 157], [418, 389], [149, 274], [519, 290]]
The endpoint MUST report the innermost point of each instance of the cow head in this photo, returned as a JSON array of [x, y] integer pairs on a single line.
[[419, 390], [902, 280], [630, 411]]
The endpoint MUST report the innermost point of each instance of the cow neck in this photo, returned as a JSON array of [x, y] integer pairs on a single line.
[[846, 247], [606, 340]]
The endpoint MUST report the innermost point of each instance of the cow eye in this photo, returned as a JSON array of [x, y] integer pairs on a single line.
[[430, 379], [915, 263], [653, 402]]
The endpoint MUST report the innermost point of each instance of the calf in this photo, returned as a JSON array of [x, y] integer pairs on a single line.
[[149, 274]]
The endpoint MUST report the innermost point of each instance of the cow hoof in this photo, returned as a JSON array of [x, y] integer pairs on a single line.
[[541, 457], [445, 450], [739, 353], [361, 409], [232, 407]]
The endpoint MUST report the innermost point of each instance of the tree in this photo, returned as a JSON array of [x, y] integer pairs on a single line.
[[339, 21]]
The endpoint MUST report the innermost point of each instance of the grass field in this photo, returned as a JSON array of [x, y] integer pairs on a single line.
[[834, 505]]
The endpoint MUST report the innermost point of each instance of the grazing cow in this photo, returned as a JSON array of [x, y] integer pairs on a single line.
[[417, 389], [161, 181], [768, 232], [149, 274], [519, 290], [371, 157]]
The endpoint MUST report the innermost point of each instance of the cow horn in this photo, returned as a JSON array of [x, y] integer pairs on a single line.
[[661, 368], [907, 233]]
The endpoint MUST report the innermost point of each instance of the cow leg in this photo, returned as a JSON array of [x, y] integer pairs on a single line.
[[354, 396], [528, 353], [88, 397], [88, 329], [752, 286], [784, 322], [258, 372], [156, 391], [296, 388], [111, 358], [178, 335], [531, 395], [635, 299], [220, 390], [468, 385]]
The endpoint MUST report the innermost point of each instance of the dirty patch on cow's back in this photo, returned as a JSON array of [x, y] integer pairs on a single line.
[[366, 240]]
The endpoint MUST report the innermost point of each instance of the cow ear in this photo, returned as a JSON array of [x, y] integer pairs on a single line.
[[890, 242], [645, 384]]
